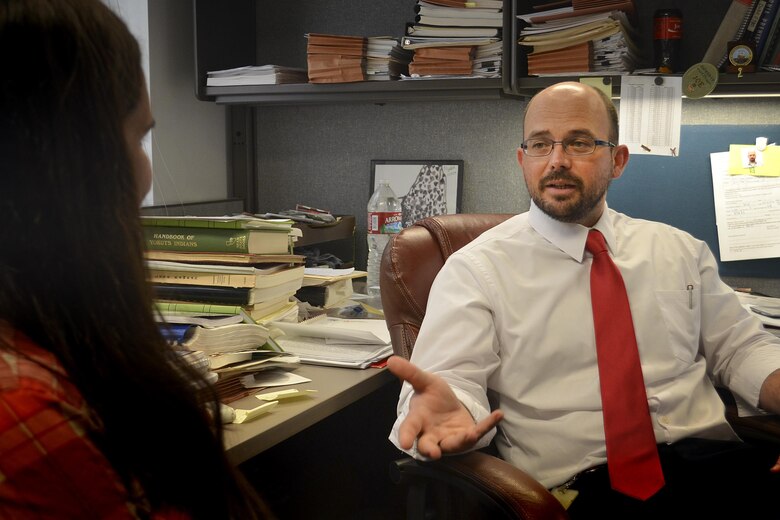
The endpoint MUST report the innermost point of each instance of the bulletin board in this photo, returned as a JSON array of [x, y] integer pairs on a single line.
[[678, 190]]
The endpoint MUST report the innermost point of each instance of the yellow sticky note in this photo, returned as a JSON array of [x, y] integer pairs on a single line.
[[746, 159]]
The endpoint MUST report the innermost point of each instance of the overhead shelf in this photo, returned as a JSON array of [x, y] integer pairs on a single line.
[[364, 91], [756, 84]]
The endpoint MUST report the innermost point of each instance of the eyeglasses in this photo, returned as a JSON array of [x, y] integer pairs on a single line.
[[571, 146]]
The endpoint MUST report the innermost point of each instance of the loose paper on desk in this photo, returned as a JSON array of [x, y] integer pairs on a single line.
[[317, 352], [269, 378], [651, 114], [747, 212], [342, 331]]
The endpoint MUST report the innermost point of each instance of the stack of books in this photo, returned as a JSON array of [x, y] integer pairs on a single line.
[[239, 261], [218, 282], [583, 39], [334, 58], [455, 38]]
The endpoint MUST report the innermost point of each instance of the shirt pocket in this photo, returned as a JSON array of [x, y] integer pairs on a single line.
[[681, 312]]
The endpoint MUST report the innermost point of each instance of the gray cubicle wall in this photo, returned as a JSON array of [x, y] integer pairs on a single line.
[[321, 156]]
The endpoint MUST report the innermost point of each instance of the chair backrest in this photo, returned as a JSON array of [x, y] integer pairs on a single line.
[[411, 261]]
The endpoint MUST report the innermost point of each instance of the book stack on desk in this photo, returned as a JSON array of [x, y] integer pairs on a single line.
[[198, 263], [455, 38], [217, 281], [242, 261], [226, 353]]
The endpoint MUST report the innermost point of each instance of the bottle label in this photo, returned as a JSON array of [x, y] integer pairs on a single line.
[[668, 28], [384, 222]]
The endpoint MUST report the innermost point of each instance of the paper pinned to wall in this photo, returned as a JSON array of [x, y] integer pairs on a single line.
[[651, 114], [747, 212]]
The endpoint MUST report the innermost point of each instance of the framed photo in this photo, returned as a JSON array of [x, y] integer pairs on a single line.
[[425, 188]]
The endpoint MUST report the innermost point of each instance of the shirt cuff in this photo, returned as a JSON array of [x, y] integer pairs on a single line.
[[477, 411]]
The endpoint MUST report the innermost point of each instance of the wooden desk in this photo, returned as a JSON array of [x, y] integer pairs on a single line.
[[336, 388]]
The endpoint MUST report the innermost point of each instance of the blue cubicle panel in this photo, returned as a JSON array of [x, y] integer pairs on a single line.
[[678, 190]]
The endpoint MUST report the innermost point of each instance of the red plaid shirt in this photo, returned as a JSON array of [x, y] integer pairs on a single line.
[[49, 467]]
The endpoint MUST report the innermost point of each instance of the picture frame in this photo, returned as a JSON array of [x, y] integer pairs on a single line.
[[417, 183]]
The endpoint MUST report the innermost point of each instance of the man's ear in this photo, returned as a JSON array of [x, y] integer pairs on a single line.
[[620, 160], [520, 156]]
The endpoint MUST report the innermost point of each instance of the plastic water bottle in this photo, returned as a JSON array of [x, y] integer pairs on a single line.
[[384, 220]]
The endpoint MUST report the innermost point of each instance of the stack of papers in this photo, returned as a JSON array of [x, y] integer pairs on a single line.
[[355, 343], [765, 308], [260, 75], [598, 43]]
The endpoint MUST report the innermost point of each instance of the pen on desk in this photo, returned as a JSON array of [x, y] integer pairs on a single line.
[[690, 295], [645, 148]]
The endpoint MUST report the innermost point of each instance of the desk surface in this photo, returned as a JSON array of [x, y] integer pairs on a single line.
[[336, 388]]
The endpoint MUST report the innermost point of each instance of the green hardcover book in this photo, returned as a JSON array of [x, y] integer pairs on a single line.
[[254, 312], [254, 241], [198, 308], [227, 222]]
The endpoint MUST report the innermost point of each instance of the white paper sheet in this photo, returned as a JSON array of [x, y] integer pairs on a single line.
[[650, 114], [747, 212]]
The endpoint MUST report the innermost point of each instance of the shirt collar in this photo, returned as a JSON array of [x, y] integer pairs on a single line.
[[569, 237]]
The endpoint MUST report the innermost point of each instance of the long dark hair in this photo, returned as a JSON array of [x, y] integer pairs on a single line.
[[71, 269]]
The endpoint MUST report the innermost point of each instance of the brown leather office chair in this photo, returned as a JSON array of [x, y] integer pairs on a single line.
[[475, 484], [452, 486]]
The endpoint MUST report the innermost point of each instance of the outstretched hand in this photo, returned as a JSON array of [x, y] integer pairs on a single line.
[[436, 418]]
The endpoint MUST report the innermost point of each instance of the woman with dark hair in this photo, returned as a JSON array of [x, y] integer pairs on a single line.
[[99, 418]]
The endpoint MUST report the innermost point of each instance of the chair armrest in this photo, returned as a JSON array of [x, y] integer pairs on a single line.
[[492, 480], [755, 428]]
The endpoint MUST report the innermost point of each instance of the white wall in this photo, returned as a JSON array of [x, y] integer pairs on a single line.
[[188, 141]]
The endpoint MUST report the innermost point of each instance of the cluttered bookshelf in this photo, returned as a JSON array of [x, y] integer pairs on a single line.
[[250, 32], [261, 32], [702, 20]]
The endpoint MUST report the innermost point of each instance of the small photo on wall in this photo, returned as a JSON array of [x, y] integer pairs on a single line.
[[425, 187]]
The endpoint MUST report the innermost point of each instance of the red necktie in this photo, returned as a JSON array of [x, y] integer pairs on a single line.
[[632, 455]]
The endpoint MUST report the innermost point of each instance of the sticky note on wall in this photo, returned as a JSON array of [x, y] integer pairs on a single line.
[[746, 159]]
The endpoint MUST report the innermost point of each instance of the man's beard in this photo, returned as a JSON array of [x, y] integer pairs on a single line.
[[570, 211]]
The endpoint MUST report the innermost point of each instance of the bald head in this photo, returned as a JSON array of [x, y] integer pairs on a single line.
[[571, 96]]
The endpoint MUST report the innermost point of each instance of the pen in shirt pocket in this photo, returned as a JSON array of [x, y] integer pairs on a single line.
[[689, 288]]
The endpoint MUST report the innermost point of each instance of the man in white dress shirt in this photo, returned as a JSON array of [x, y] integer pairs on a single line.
[[509, 319]]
